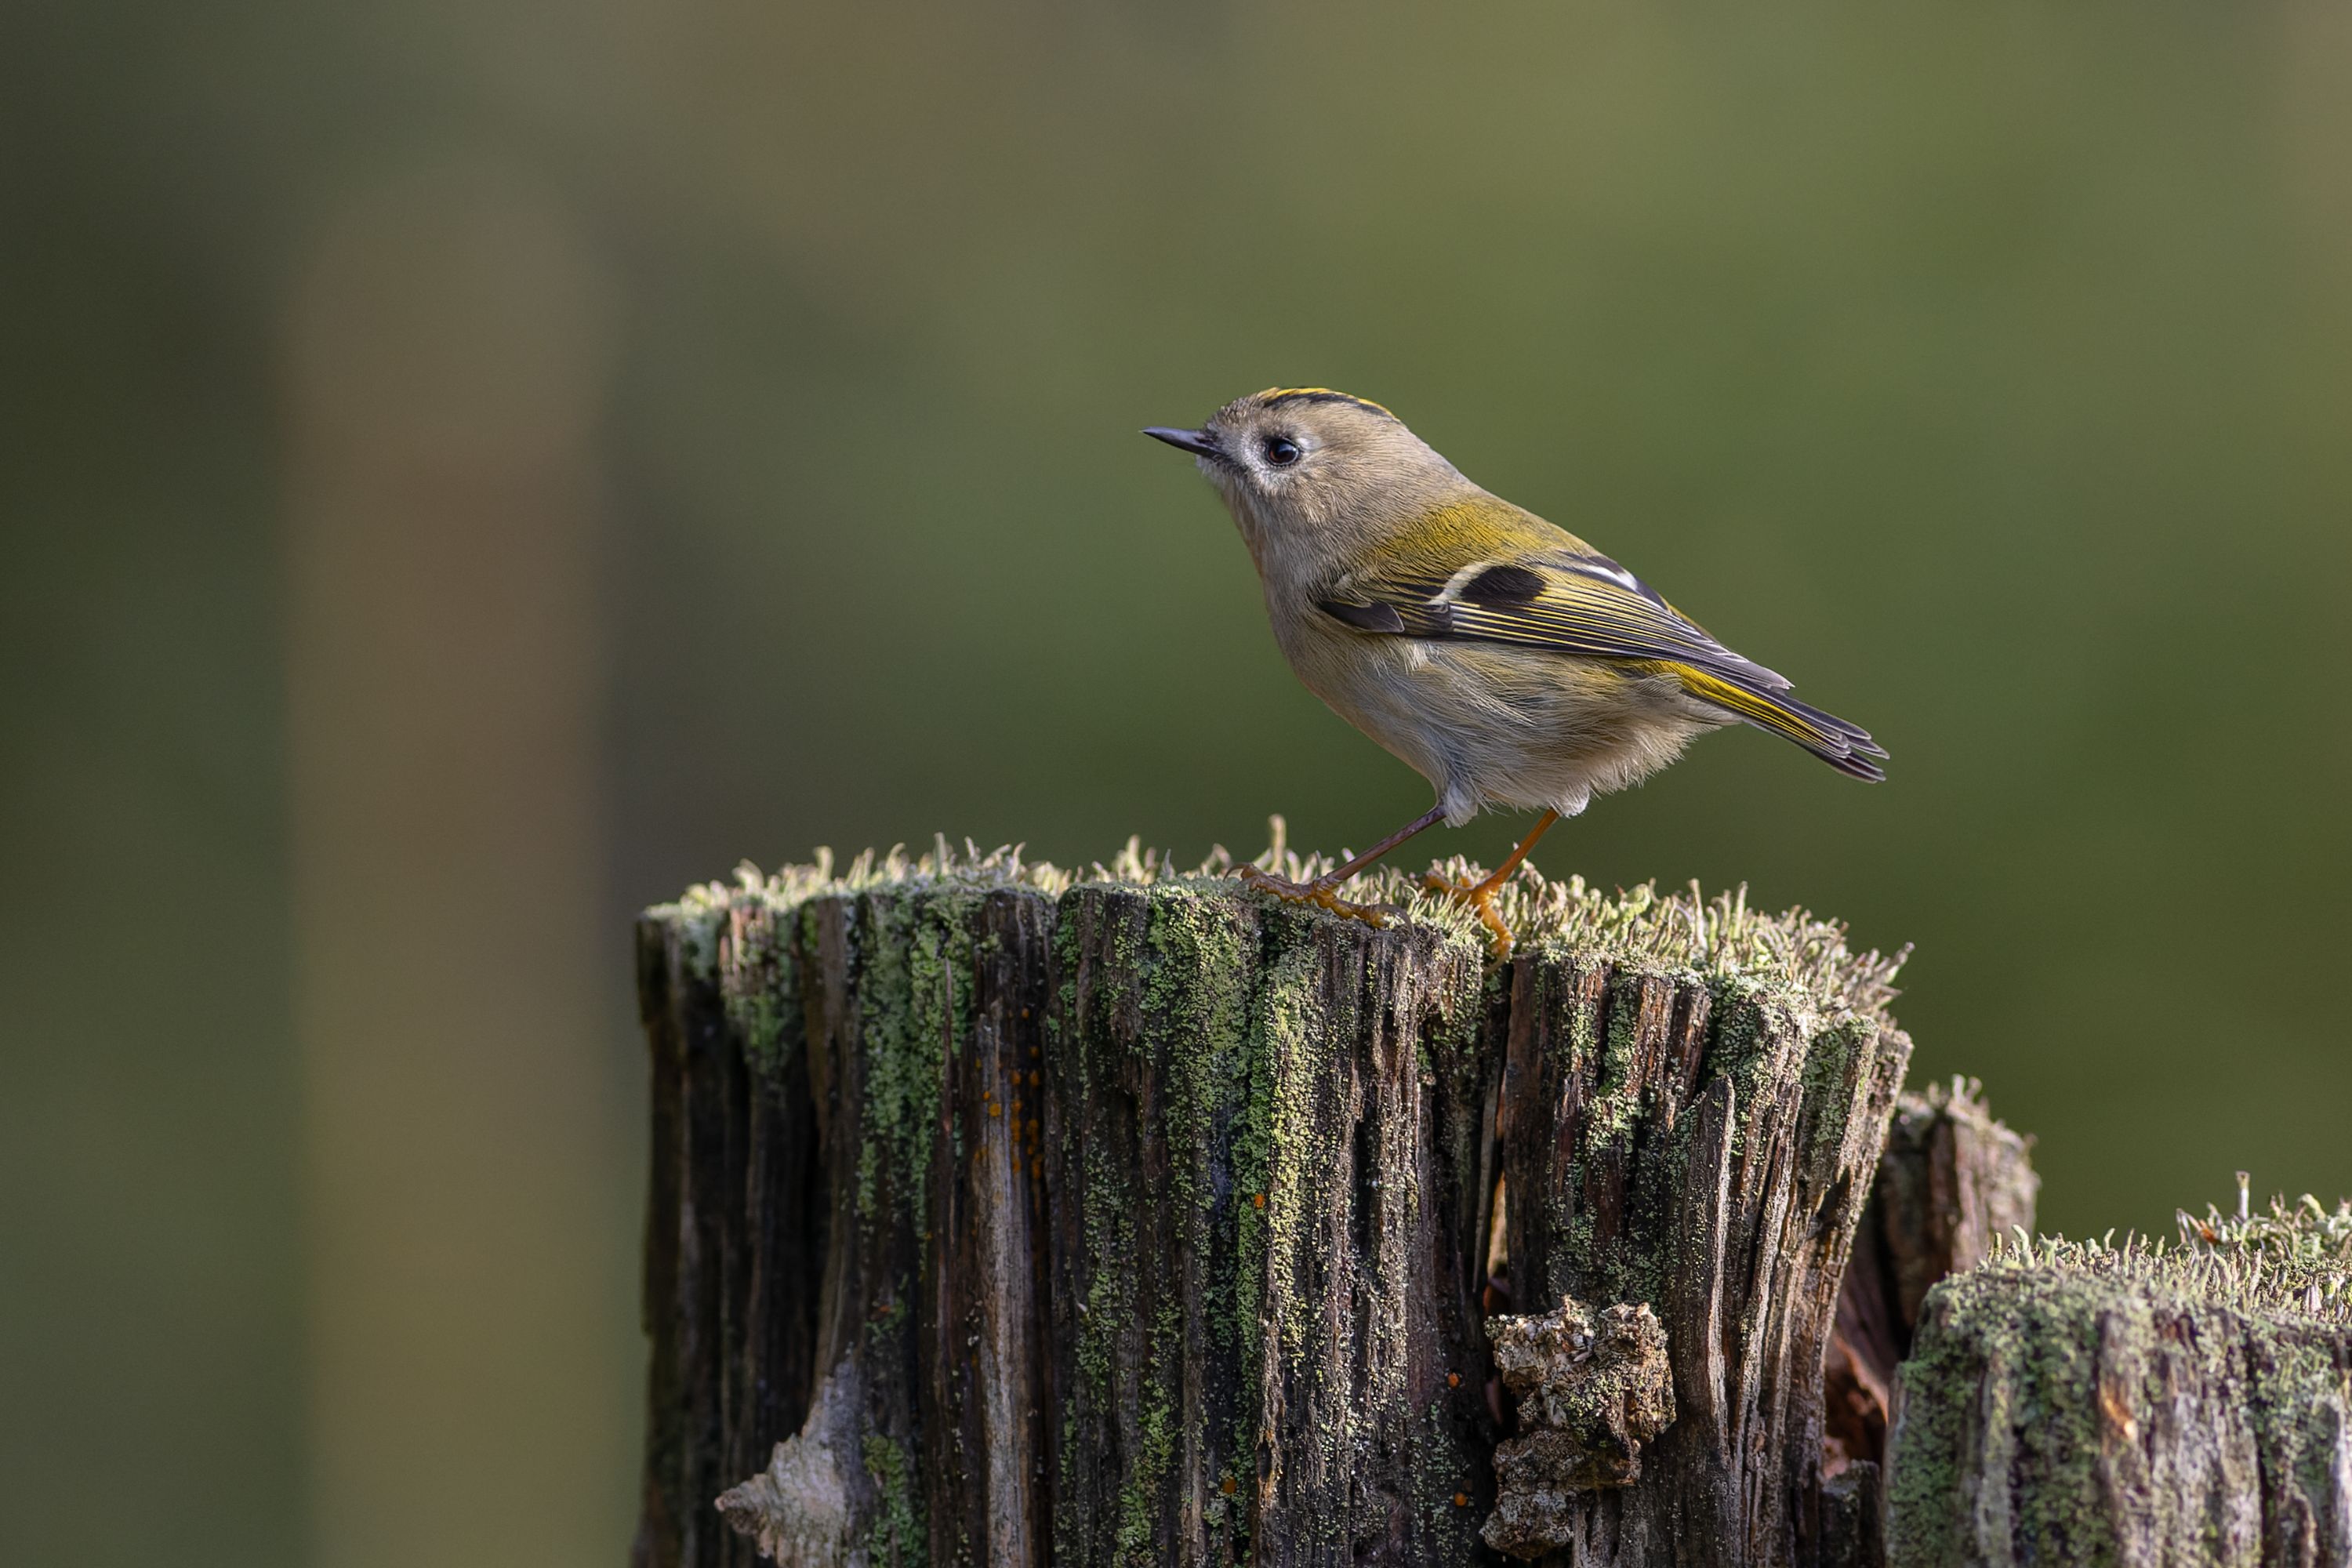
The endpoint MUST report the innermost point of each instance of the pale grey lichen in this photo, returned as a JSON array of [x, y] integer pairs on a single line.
[[2291, 1260], [1593, 1388]]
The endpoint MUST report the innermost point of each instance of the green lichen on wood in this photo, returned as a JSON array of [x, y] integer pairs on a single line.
[[1199, 967], [1288, 1023], [2004, 1354], [1202, 1037], [1155, 1452], [1252, 1153], [1750, 1028], [1178, 1057], [895, 1536], [906, 999], [1204, 1027], [1616, 1102], [2180, 1400], [1833, 1073], [757, 973]]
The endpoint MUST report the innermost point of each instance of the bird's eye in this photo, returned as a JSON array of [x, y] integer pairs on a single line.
[[1281, 451]]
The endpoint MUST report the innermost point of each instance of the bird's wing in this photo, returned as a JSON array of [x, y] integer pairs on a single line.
[[1569, 599]]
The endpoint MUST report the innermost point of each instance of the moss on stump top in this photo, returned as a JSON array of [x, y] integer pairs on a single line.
[[1792, 953], [2292, 1263]]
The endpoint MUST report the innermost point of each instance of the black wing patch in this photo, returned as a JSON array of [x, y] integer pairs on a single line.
[[1498, 586]]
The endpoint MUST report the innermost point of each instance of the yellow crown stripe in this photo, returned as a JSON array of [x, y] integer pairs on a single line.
[[1276, 394]]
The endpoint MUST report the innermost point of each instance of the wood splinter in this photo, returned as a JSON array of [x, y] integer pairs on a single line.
[[797, 1512]]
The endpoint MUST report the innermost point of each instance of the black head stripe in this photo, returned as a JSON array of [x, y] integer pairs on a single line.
[[1500, 586]]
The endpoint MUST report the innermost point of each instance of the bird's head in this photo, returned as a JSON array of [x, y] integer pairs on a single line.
[[1306, 468]]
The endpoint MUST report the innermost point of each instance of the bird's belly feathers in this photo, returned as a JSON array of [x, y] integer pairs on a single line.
[[1489, 724]]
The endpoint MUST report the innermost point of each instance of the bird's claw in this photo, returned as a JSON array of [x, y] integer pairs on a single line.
[[1480, 898], [1320, 893]]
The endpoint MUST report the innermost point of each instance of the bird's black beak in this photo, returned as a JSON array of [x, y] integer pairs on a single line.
[[1196, 442]]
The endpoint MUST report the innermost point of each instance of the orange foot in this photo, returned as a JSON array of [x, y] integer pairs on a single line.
[[1480, 898], [1319, 892]]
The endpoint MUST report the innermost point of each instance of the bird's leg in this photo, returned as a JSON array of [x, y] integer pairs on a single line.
[[1481, 897], [1323, 891]]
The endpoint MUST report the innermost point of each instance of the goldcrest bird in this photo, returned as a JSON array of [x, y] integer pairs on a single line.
[[1504, 660]]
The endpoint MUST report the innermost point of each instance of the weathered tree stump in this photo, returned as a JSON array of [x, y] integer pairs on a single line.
[[1137, 1218], [1952, 1182], [2091, 1404]]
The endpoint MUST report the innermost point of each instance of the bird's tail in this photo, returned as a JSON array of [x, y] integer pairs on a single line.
[[1849, 750]]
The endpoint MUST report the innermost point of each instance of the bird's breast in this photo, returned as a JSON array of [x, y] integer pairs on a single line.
[[1502, 725]]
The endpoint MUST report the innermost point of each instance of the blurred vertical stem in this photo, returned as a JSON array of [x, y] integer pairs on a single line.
[[445, 354]]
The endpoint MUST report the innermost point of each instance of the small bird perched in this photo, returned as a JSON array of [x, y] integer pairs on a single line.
[[1505, 660]]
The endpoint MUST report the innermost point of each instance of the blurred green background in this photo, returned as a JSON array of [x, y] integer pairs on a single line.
[[470, 469]]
